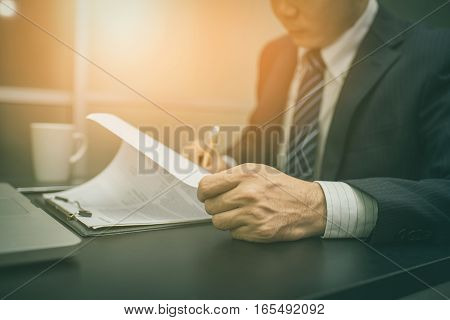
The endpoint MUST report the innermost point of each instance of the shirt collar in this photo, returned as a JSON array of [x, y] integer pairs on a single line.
[[339, 55]]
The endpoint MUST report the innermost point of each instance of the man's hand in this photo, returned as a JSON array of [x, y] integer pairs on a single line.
[[207, 157], [259, 203]]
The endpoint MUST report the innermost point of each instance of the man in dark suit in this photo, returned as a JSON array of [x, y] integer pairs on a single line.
[[365, 146]]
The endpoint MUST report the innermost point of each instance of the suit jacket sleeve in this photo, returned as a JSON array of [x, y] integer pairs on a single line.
[[410, 210], [260, 139], [246, 149]]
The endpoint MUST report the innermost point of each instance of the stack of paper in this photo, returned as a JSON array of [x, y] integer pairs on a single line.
[[139, 187]]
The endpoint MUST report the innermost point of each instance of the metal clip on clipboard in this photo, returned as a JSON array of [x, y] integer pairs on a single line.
[[81, 212]]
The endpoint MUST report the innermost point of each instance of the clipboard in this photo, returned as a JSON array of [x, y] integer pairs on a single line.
[[124, 198], [72, 223]]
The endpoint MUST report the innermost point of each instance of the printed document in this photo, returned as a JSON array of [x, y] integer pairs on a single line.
[[139, 187]]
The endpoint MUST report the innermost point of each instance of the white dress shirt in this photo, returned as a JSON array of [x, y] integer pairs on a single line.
[[350, 212]]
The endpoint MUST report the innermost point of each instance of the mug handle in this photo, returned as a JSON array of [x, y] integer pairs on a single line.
[[81, 139]]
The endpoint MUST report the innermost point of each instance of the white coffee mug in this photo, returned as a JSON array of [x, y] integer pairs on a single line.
[[52, 150]]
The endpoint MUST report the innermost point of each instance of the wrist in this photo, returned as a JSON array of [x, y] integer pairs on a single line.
[[318, 205]]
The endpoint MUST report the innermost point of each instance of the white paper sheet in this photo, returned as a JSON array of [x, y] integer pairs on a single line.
[[179, 166], [124, 194]]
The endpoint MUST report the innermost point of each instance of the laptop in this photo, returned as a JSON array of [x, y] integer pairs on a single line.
[[28, 234]]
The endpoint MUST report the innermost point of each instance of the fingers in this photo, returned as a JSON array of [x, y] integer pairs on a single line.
[[239, 223], [216, 184], [230, 220], [240, 233], [207, 157], [206, 160], [212, 161], [247, 233], [223, 202], [194, 152]]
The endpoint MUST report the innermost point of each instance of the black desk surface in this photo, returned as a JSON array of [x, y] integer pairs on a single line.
[[199, 262]]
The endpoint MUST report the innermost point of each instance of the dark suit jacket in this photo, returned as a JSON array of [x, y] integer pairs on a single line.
[[390, 135]]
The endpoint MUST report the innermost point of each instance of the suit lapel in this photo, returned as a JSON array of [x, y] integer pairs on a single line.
[[375, 56]]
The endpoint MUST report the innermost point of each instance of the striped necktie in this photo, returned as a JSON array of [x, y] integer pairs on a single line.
[[303, 139]]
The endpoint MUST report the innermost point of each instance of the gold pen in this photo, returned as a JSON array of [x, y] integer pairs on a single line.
[[214, 140]]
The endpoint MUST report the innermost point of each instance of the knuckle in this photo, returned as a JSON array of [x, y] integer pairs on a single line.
[[203, 187], [228, 176], [248, 170], [218, 222], [209, 206], [250, 174], [253, 192], [248, 195], [237, 235], [200, 194], [265, 232]]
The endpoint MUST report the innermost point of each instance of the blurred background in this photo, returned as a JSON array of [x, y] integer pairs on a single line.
[[195, 58]]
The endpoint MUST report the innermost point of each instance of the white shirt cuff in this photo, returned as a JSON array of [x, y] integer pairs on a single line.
[[350, 213]]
